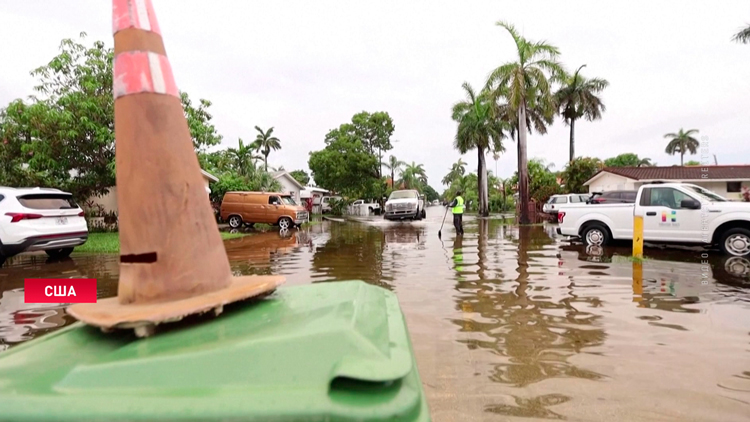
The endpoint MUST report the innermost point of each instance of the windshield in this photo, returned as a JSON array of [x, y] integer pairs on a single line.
[[706, 194], [288, 200], [403, 194]]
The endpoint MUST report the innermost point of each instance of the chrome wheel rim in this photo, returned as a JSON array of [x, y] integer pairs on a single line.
[[284, 224], [737, 244], [234, 222], [595, 237]]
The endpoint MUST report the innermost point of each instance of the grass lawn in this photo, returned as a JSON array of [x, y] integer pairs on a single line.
[[110, 242]]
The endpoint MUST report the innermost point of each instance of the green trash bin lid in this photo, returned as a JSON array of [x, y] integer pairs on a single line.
[[335, 351]]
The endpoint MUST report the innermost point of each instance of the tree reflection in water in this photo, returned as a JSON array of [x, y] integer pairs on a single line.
[[534, 333]]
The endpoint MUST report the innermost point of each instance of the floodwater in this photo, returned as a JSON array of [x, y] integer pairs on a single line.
[[508, 322]]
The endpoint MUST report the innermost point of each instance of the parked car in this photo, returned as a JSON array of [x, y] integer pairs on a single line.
[[556, 202], [278, 209], [372, 206], [40, 219], [405, 204], [325, 203], [613, 197], [676, 213]]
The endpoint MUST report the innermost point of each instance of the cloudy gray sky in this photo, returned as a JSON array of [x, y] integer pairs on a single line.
[[305, 67]]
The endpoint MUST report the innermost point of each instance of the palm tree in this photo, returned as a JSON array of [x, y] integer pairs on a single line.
[[243, 158], [457, 170], [526, 86], [478, 129], [645, 162], [578, 98], [682, 142], [394, 165], [264, 143], [413, 176], [743, 36]]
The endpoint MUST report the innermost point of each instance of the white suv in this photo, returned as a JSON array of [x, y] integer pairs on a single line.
[[39, 219]]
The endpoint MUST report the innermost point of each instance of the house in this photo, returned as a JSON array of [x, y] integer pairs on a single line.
[[108, 202], [289, 184], [724, 180]]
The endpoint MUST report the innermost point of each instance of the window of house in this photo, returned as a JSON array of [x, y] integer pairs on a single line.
[[734, 187]]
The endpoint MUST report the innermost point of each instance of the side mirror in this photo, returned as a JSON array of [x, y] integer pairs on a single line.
[[690, 204]]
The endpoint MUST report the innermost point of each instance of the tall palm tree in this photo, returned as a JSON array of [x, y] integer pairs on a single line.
[[645, 162], [243, 158], [682, 142], [394, 165], [478, 129], [458, 169], [526, 86], [413, 176], [577, 98], [265, 142], [743, 36]]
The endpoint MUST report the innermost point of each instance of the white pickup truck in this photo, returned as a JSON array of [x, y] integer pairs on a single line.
[[673, 213], [371, 206]]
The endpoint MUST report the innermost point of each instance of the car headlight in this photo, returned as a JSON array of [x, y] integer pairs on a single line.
[[412, 205], [389, 207]]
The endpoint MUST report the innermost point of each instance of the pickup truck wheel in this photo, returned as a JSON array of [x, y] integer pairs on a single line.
[[595, 235], [235, 221], [736, 242]]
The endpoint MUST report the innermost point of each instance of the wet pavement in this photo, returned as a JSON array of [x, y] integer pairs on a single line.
[[508, 322]]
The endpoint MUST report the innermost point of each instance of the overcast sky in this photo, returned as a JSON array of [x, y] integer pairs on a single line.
[[305, 67]]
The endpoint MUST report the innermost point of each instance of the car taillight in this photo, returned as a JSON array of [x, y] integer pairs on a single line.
[[15, 217], [81, 214], [560, 217]]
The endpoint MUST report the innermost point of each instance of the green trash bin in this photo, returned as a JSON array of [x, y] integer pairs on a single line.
[[336, 351]]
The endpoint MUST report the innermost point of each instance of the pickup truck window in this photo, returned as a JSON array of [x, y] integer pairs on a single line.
[[575, 199], [559, 200], [707, 194], [664, 197]]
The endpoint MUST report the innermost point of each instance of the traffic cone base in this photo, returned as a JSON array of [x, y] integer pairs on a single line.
[[172, 259]]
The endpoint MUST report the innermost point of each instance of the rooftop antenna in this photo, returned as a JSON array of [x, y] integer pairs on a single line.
[[716, 162]]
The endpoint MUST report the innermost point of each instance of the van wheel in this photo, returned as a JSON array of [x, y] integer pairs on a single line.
[[235, 221], [286, 223], [735, 242], [59, 253], [595, 235]]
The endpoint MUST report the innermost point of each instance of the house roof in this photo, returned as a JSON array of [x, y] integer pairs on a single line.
[[209, 176], [686, 173], [278, 174]]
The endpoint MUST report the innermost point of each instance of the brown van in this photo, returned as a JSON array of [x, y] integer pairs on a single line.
[[238, 208]]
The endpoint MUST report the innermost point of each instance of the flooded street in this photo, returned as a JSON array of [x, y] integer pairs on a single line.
[[507, 323]]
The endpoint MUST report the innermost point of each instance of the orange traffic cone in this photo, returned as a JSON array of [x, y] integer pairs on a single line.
[[172, 258]]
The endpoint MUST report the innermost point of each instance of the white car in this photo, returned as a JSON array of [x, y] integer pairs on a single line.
[[557, 202], [673, 213], [39, 219], [371, 206], [405, 204]]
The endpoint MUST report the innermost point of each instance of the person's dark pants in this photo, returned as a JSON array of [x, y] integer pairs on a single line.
[[458, 223]]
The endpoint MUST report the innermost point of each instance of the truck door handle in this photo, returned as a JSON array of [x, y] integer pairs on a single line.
[[651, 213]]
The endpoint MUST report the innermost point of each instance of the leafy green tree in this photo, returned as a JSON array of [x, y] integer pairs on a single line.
[[229, 182], [345, 166], [578, 98], [394, 165], [526, 85], [682, 142], [627, 159], [578, 171], [64, 137], [413, 176], [300, 176], [478, 129], [458, 169], [743, 36], [692, 163], [430, 193], [264, 143], [375, 131], [542, 181]]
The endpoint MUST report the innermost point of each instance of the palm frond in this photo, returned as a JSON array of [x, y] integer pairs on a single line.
[[743, 36]]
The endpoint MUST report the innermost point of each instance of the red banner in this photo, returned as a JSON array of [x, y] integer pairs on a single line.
[[59, 290]]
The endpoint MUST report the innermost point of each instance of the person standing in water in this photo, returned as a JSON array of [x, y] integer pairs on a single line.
[[458, 212]]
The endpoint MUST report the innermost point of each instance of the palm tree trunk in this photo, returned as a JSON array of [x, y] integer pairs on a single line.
[[572, 139], [682, 159], [265, 162], [482, 182], [523, 171]]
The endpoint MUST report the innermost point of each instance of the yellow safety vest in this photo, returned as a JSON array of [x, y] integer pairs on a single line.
[[459, 208]]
